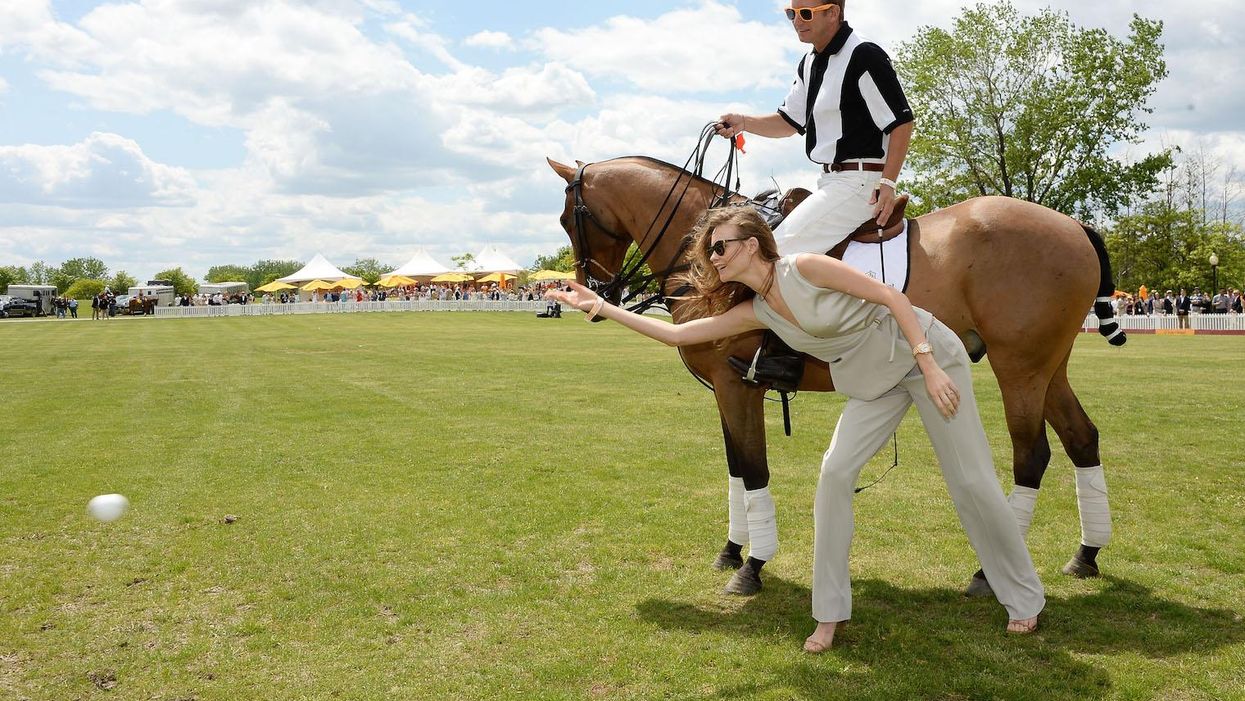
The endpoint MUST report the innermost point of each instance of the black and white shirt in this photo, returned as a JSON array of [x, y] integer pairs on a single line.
[[846, 100]]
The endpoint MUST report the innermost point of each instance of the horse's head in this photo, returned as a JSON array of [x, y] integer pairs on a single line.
[[599, 239]]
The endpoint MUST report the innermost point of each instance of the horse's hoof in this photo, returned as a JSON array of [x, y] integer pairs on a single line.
[[978, 586], [1080, 569], [728, 561], [745, 582]]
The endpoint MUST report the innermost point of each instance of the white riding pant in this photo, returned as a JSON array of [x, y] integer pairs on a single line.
[[836, 209]]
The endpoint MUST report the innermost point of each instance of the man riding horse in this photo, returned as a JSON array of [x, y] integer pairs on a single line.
[[847, 103]]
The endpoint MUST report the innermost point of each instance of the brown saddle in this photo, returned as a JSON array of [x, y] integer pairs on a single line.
[[867, 232]]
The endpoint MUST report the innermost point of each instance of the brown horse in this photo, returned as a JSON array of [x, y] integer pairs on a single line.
[[968, 264]]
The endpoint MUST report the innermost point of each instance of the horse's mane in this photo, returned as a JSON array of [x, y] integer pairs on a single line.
[[667, 166]]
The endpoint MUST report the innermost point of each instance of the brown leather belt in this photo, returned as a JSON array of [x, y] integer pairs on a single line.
[[854, 165]]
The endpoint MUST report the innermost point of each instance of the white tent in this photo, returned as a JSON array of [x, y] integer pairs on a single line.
[[491, 260], [420, 265], [318, 269]]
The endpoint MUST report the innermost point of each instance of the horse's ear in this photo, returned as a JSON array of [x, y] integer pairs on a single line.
[[579, 163], [567, 172]]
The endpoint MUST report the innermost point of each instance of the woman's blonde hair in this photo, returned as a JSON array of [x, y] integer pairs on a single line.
[[710, 295]]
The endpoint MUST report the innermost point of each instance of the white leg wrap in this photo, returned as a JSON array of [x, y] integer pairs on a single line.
[[1023, 501], [737, 512], [1091, 499], [762, 524]]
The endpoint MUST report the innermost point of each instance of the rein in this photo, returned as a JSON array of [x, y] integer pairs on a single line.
[[630, 277]]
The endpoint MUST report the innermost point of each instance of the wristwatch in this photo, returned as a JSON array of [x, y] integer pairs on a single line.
[[922, 348]]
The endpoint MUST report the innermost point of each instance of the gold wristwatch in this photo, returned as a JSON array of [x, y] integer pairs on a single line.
[[922, 348]]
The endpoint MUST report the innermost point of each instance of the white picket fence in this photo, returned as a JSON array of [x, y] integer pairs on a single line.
[[423, 305], [1213, 323], [1207, 323]]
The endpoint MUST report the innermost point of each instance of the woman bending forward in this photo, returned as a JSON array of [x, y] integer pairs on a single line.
[[885, 355]]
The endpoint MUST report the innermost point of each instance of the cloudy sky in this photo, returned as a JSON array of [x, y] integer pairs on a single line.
[[158, 133]]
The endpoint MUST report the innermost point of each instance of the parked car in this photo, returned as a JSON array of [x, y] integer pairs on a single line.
[[19, 306]]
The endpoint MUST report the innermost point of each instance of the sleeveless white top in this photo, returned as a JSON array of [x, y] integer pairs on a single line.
[[867, 353]]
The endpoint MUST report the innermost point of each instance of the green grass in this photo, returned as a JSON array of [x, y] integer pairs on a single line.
[[490, 506]]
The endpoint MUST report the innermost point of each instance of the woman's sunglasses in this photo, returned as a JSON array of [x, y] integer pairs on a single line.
[[806, 13], [719, 246]]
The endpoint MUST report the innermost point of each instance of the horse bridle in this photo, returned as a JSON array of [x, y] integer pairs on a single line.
[[630, 277], [582, 214]]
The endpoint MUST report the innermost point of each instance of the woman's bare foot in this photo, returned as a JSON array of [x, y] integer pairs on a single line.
[[1022, 627], [822, 638]]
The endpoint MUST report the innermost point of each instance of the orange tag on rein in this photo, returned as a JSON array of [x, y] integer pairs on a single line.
[[739, 142]]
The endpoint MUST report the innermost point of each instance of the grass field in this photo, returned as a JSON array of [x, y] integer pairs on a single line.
[[490, 506]]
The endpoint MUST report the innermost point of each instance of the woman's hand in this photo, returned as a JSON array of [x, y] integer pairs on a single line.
[[579, 296], [942, 390]]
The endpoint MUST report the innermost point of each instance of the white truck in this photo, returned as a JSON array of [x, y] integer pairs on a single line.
[[164, 294], [42, 294]]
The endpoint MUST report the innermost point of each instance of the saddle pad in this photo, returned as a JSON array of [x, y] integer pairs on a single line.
[[867, 258]]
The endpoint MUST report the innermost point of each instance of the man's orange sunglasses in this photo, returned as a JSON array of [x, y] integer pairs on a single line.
[[806, 13]]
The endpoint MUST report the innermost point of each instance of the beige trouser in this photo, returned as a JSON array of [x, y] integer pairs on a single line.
[[968, 468]]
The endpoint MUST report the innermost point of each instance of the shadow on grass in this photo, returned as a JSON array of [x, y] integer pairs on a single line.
[[936, 643]]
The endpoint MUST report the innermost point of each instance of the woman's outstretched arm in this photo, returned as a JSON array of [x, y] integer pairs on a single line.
[[734, 321]]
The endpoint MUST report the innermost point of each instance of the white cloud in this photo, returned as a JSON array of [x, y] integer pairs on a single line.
[[412, 29], [541, 90], [105, 170], [706, 48], [490, 40], [217, 65]]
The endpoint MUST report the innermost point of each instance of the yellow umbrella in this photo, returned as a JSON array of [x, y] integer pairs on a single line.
[[497, 277], [396, 281], [452, 277], [350, 283], [551, 275], [274, 286], [316, 285]]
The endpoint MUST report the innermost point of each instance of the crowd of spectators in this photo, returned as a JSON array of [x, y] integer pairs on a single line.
[[63, 306], [216, 299], [103, 305], [439, 292], [1179, 304]]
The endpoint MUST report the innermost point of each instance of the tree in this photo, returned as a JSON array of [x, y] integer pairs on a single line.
[[78, 269], [227, 273], [39, 273], [122, 281], [83, 288], [1167, 242], [563, 260], [633, 256], [265, 271], [1028, 107], [463, 262], [369, 269], [183, 284], [11, 275]]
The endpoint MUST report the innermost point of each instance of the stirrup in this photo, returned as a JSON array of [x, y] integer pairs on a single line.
[[781, 373]]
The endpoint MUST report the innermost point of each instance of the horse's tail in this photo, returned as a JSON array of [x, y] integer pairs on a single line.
[[1107, 325]]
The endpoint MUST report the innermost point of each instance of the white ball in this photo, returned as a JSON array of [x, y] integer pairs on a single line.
[[108, 507]]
